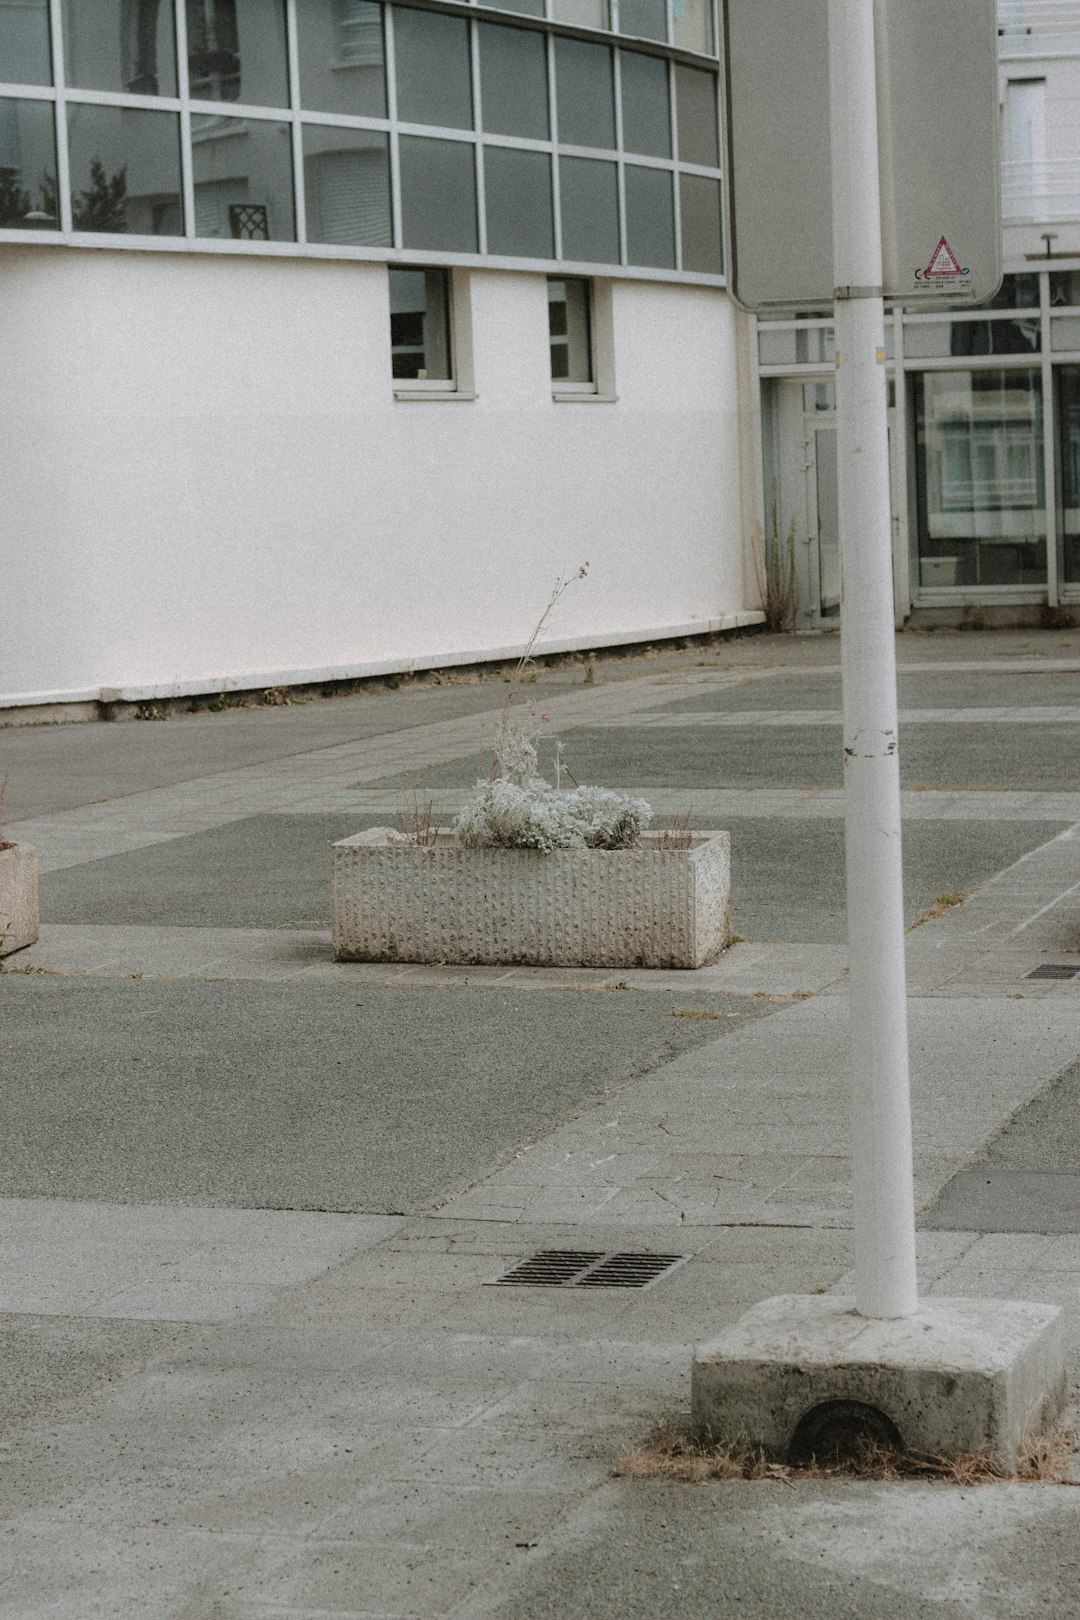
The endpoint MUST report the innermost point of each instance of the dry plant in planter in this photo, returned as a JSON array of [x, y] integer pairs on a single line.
[[532, 872]]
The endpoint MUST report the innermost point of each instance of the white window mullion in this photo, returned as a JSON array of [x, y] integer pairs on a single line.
[[553, 129], [63, 166], [478, 124], [187, 165], [392, 110], [1049, 418], [676, 196], [293, 47], [620, 166]]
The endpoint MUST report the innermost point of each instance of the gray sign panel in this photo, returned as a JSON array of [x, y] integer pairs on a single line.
[[937, 134]]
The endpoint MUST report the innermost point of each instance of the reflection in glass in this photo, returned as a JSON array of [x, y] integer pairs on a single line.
[[24, 43], [27, 166], [420, 325], [431, 52], [347, 186], [236, 51], [925, 340], [650, 217], [527, 8], [980, 477], [519, 215], [590, 211], [1065, 334], [586, 91], [699, 211], [699, 133], [513, 82], [779, 346], [646, 106], [121, 45], [646, 19], [1064, 288], [694, 26], [243, 179], [582, 13], [568, 326], [125, 170], [1069, 430], [438, 194], [342, 66]]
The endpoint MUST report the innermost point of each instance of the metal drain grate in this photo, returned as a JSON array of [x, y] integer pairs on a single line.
[[1055, 970], [581, 1268]]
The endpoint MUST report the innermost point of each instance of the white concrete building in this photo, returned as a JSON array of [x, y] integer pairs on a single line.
[[335, 331]]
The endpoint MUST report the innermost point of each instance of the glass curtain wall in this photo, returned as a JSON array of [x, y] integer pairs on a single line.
[[355, 124]]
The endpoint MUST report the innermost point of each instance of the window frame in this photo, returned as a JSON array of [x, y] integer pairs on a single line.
[[601, 389], [460, 385]]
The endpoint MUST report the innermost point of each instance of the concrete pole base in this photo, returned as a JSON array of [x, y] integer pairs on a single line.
[[799, 1375]]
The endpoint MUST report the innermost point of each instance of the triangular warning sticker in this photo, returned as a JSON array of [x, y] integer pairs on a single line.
[[944, 262]]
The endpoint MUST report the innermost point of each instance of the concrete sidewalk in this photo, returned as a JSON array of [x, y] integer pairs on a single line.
[[251, 1199]]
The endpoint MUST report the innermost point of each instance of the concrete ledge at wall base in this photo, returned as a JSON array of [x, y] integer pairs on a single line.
[[959, 1376], [652, 907], [18, 897]]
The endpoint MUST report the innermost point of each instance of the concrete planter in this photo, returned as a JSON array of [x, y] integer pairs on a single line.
[[18, 897], [643, 907]]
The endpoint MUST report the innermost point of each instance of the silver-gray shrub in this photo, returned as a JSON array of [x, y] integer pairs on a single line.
[[531, 814]]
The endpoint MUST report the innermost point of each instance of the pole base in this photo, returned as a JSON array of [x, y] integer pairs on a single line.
[[801, 1376]]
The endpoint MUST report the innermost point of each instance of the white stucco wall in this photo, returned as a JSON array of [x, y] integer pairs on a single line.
[[208, 482]]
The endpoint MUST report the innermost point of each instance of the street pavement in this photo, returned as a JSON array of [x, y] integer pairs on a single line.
[[252, 1199]]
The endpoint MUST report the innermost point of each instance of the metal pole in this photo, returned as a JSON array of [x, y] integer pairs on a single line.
[[885, 1283]]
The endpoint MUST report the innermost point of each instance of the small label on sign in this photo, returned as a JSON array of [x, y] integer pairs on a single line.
[[944, 267]]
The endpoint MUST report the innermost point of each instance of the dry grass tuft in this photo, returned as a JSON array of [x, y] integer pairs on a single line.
[[674, 1452], [416, 822], [678, 836], [943, 903]]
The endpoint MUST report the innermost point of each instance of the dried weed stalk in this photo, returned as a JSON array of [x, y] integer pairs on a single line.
[[774, 566], [416, 822], [679, 836]]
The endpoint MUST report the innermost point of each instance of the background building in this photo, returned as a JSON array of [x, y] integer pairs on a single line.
[[335, 331]]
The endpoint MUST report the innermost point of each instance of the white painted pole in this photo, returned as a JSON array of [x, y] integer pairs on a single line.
[[884, 1213]]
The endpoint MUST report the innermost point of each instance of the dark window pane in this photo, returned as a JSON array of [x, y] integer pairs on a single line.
[[342, 66], [236, 51], [590, 211], [431, 52], [1016, 292], [1064, 288], [699, 208], [693, 26], [243, 179], [420, 325], [27, 165], [121, 45], [646, 19], [650, 217], [347, 186], [695, 95], [24, 43], [586, 94], [438, 194], [125, 170], [568, 327], [519, 217], [513, 82], [1069, 430], [646, 106], [979, 469]]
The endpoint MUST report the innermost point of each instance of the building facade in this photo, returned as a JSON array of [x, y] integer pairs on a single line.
[[334, 331]]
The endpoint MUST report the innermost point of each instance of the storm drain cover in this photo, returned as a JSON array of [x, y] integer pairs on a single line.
[[1055, 970], [586, 1268]]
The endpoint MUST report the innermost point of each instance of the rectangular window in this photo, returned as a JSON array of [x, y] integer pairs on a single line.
[[570, 329], [347, 186], [27, 166], [125, 170], [981, 507], [342, 61], [24, 43], [420, 327], [237, 52], [121, 45], [1069, 430]]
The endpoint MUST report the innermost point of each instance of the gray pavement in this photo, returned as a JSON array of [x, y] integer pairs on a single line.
[[252, 1198]]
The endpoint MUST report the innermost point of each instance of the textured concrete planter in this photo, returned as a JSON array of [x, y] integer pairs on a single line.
[[643, 907], [18, 897]]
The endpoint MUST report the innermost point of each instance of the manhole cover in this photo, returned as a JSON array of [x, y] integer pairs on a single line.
[[1055, 970], [582, 1268]]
